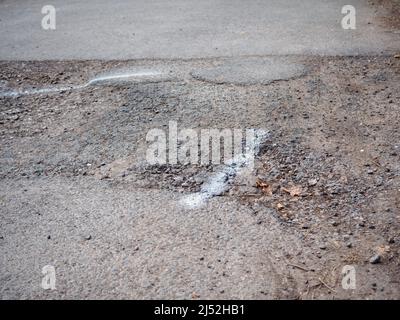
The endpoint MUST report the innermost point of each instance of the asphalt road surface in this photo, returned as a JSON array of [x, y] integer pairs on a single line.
[[78, 193], [190, 29]]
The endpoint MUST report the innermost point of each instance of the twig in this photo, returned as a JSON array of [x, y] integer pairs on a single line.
[[326, 285], [376, 162], [298, 267]]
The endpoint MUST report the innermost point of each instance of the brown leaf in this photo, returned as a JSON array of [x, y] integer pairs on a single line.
[[383, 249], [264, 186], [294, 191], [195, 295]]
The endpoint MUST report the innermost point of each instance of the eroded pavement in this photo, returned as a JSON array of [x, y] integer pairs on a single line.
[[77, 192]]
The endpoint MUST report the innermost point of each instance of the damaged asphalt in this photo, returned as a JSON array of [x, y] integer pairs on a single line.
[[77, 192]]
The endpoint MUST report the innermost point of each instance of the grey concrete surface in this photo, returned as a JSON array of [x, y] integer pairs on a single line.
[[190, 29], [137, 248]]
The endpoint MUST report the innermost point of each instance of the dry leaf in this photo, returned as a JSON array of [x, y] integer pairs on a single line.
[[383, 249], [195, 295], [264, 186], [280, 206], [294, 191]]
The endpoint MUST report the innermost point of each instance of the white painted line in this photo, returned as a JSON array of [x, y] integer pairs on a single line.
[[218, 183], [95, 81], [124, 76], [18, 93]]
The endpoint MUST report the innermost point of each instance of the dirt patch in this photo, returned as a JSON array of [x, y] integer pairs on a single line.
[[392, 19]]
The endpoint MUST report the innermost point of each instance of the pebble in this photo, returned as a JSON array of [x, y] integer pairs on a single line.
[[375, 259], [312, 182], [370, 171]]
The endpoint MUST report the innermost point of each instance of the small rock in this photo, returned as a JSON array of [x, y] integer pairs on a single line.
[[370, 171], [88, 237], [375, 259], [312, 182], [178, 179]]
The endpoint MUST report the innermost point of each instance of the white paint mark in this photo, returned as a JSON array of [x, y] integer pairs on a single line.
[[19, 93], [219, 182], [95, 81], [123, 76]]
